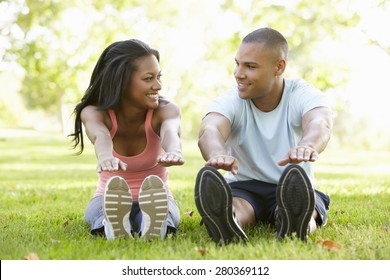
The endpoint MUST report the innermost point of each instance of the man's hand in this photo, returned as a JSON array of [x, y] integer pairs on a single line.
[[299, 154], [227, 163]]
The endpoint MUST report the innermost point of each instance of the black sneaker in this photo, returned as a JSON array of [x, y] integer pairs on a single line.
[[295, 203], [213, 199]]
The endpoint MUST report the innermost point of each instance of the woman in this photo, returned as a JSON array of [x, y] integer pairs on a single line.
[[136, 136]]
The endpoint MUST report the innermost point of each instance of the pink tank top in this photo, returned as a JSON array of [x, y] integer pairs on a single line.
[[139, 166]]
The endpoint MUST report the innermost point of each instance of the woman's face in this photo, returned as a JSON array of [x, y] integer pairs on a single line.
[[145, 83]]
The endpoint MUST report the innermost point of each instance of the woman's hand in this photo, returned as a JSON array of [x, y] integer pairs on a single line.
[[169, 159], [111, 164]]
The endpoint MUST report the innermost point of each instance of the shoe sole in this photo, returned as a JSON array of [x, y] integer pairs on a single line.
[[295, 199], [117, 206], [213, 200], [153, 202]]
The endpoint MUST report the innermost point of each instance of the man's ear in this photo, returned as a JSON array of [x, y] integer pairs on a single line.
[[280, 67]]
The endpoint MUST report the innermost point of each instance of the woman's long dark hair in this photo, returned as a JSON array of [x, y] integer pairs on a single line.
[[109, 80]]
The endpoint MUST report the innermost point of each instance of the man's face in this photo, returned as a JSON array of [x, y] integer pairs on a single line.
[[255, 70]]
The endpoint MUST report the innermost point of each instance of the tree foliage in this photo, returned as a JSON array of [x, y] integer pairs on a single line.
[[58, 42]]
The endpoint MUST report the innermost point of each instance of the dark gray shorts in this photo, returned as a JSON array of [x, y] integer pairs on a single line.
[[262, 197], [94, 216]]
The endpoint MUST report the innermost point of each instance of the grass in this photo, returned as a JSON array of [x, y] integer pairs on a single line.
[[44, 190]]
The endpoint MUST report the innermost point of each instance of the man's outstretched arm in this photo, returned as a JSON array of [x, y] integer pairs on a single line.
[[317, 129], [214, 131]]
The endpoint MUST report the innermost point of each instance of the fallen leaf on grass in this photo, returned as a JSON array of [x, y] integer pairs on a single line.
[[189, 213], [31, 256], [329, 222], [329, 244], [201, 251]]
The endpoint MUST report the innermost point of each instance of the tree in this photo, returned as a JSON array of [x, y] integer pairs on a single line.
[[54, 52], [60, 42]]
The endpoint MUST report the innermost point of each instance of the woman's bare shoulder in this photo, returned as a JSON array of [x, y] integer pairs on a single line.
[[92, 112], [167, 104]]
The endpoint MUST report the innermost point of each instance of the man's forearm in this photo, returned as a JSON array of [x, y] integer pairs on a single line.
[[211, 144], [316, 135]]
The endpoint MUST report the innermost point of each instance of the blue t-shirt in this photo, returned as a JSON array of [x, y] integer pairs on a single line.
[[258, 140]]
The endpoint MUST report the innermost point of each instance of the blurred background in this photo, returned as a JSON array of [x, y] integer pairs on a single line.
[[48, 49]]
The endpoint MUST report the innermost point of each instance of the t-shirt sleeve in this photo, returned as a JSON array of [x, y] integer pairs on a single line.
[[307, 97], [224, 105]]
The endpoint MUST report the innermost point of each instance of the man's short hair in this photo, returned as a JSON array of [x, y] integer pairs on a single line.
[[271, 38]]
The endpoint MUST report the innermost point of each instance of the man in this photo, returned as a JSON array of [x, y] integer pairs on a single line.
[[266, 133]]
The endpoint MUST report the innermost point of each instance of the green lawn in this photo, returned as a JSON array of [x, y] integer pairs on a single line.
[[44, 190]]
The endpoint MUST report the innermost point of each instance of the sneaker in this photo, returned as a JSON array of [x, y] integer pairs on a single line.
[[213, 200], [117, 203], [153, 202], [295, 203]]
